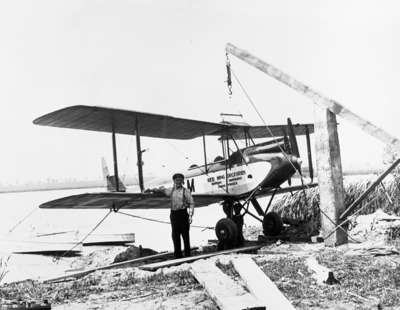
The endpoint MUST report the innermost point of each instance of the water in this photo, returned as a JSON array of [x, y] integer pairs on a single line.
[[15, 206]]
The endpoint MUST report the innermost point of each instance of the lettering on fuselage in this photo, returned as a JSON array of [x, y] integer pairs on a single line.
[[190, 185], [233, 178]]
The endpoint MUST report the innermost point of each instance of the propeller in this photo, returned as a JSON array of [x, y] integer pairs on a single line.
[[286, 146], [293, 142], [292, 138], [294, 148], [287, 149]]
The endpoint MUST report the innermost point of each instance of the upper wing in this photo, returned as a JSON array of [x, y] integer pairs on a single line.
[[154, 125], [124, 122], [270, 131]]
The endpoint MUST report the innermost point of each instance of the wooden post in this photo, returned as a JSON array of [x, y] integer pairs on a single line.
[[330, 178]]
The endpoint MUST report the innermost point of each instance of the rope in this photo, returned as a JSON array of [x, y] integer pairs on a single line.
[[87, 235], [265, 124], [23, 219], [305, 186], [161, 221]]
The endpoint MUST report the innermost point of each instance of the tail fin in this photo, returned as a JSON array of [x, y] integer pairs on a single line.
[[104, 167], [111, 184]]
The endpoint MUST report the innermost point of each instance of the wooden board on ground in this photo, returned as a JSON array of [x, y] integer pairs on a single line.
[[223, 290], [114, 265], [178, 261], [260, 285]]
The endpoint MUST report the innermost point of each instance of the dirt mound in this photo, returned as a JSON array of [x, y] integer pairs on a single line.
[[133, 252], [96, 258]]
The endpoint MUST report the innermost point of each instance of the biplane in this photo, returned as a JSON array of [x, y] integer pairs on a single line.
[[240, 176]]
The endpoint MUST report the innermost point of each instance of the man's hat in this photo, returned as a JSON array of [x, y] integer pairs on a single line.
[[178, 175]]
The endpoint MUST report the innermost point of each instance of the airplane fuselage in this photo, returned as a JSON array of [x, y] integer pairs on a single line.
[[239, 175]]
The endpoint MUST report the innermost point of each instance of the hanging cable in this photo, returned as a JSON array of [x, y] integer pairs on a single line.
[[228, 73], [304, 186], [265, 124], [161, 221]]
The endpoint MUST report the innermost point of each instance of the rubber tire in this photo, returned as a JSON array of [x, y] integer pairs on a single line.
[[226, 231], [272, 224]]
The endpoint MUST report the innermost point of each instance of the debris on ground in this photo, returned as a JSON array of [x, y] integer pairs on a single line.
[[378, 227], [365, 283], [133, 252]]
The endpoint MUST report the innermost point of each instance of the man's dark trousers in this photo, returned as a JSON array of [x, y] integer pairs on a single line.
[[180, 226]]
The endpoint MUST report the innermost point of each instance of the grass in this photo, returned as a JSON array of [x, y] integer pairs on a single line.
[[304, 205], [363, 280], [3, 267], [98, 283]]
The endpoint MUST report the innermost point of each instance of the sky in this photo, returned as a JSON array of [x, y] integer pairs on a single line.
[[168, 57]]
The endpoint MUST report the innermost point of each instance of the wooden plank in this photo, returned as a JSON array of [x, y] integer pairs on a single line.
[[114, 265], [227, 294], [178, 261], [319, 99], [330, 176], [260, 285]]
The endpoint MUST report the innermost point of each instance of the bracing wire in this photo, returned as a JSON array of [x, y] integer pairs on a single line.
[[186, 157], [161, 221], [22, 220], [86, 236], [265, 124], [304, 185], [127, 159]]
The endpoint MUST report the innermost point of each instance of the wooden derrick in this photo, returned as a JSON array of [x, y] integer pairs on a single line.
[[327, 143]]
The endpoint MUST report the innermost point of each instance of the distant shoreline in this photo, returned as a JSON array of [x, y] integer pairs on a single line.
[[56, 186]]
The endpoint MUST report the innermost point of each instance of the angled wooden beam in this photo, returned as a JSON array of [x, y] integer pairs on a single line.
[[318, 98], [179, 261], [370, 188]]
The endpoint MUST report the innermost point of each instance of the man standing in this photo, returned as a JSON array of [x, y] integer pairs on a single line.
[[181, 200]]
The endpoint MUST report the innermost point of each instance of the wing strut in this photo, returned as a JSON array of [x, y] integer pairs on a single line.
[[310, 165], [205, 153], [139, 156], [115, 160]]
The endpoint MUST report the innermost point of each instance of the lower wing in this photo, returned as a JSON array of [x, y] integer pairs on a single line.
[[116, 201]]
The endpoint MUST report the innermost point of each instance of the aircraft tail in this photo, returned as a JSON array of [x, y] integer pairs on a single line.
[[111, 182], [104, 167]]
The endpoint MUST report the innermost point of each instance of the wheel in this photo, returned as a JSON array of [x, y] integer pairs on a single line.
[[226, 231], [272, 224]]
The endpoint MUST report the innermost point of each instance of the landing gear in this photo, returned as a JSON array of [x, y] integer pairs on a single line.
[[229, 230], [272, 224], [227, 233]]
